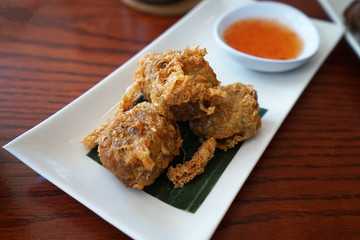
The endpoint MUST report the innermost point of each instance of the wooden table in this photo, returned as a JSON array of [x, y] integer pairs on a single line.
[[305, 186]]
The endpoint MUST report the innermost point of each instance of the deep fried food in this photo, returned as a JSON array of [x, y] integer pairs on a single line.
[[181, 84], [184, 173], [235, 118], [91, 140], [129, 99], [137, 145]]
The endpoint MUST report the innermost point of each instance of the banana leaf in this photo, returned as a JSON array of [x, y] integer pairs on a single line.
[[191, 196]]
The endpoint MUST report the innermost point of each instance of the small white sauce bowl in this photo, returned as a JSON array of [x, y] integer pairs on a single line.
[[285, 15]]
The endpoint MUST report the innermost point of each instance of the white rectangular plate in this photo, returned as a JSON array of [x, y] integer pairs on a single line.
[[53, 148], [335, 9]]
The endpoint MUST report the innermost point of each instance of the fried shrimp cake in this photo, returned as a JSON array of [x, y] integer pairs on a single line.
[[180, 84], [235, 118], [137, 145]]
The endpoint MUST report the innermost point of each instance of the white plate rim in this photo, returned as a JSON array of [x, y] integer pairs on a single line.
[[334, 13], [155, 214]]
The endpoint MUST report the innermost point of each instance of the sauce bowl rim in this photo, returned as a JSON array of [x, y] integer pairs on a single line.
[[220, 27]]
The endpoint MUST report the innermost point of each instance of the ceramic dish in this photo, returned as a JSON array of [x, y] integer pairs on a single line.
[[335, 10], [61, 158], [283, 14]]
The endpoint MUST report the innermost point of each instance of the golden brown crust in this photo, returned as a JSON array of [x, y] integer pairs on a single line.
[[137, 145], [129, 99], [184, 173], [91, 140], [142, 139], [235, 118], [180, 84]]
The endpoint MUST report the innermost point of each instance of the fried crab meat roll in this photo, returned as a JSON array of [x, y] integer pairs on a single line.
[[235, 117], [180, 84], [138, 145]]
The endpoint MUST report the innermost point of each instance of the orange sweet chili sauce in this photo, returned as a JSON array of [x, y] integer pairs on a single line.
[[263, 38]]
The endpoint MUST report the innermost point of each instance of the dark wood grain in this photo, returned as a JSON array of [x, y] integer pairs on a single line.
[[305, 186]]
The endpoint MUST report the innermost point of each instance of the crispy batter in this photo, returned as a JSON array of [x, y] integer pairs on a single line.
[[181, 84], [235, 118], [184, 173], [91, 140], [137, 145], [129, 99]]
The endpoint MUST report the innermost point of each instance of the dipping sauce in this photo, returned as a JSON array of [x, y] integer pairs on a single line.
[[263, 38]]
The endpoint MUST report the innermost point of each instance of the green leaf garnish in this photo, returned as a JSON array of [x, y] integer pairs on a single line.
[[191, 196]]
